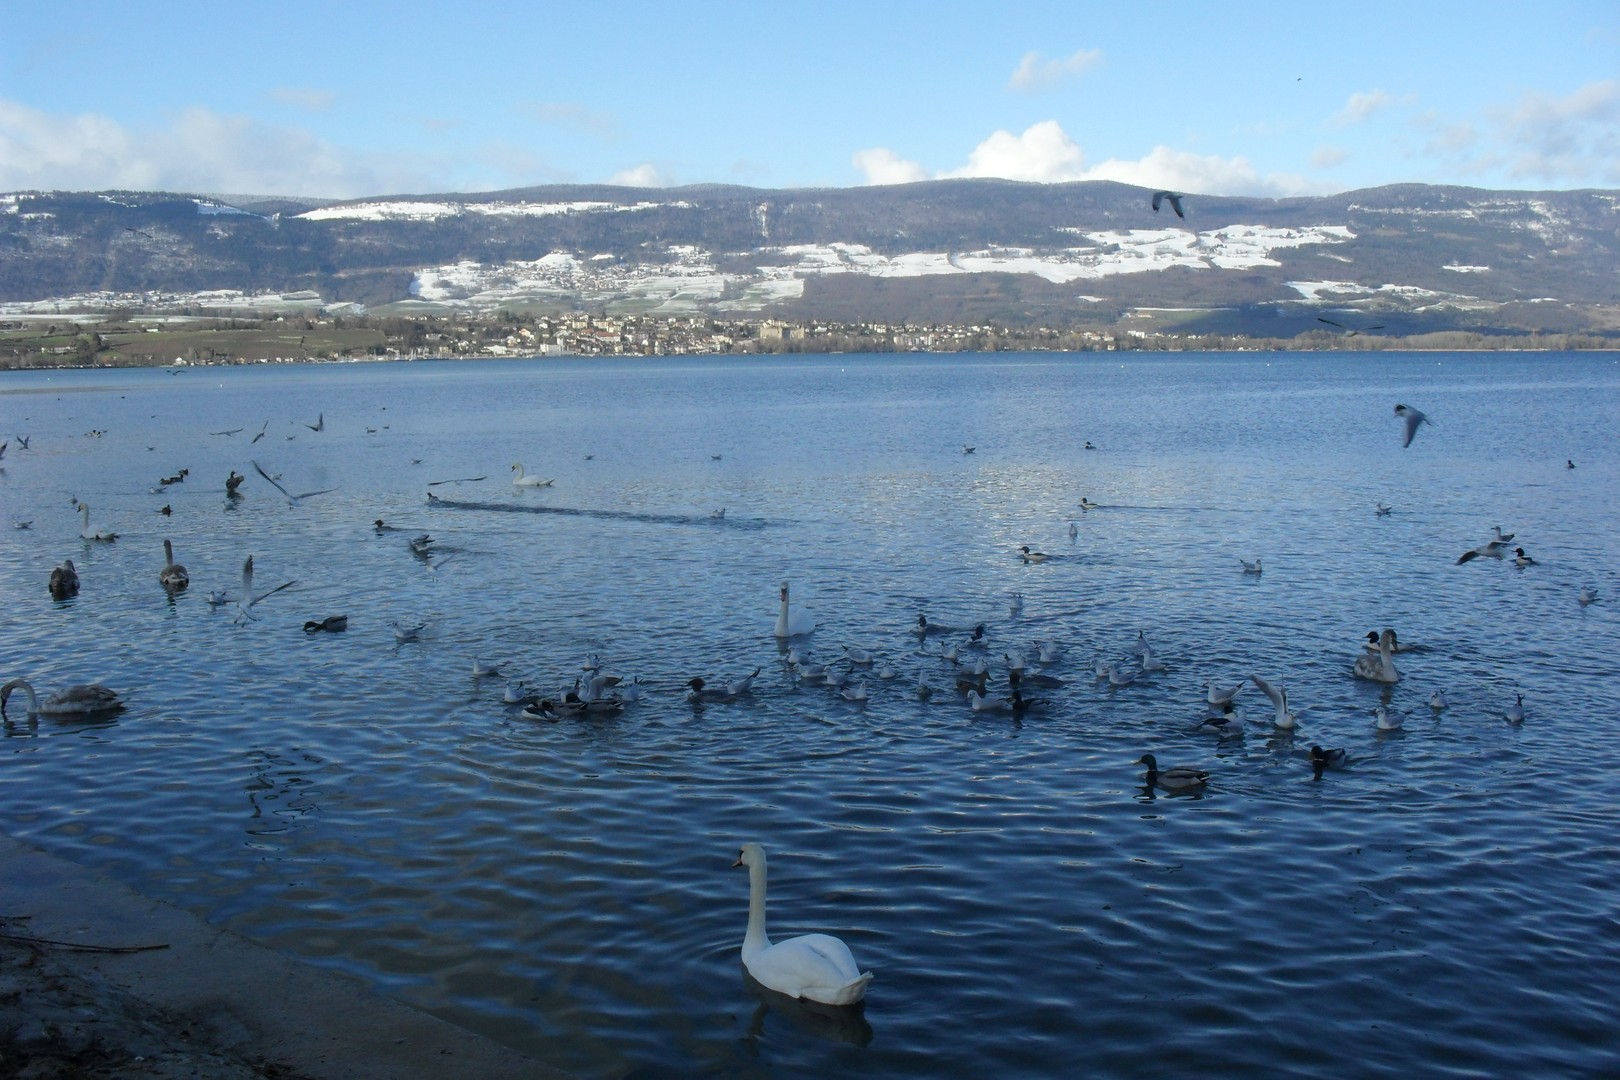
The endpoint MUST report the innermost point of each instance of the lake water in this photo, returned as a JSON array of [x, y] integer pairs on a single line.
[[1442, 905]]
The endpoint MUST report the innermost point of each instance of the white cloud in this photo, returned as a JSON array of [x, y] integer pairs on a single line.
[[198, 151], [1181, 170], [640, 176], [1046, 154], [1361, 106], [1326, 157], [1573, 138], [882, 166], [1043, 153], [573, 114], [303, 97], [1036, 72]]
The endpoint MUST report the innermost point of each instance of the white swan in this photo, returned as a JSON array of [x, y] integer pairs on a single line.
[[1379, 668], [792, 620], [173, 576], [817, 967], [521, 480], [93, 534], [86, 699], [64, 581]]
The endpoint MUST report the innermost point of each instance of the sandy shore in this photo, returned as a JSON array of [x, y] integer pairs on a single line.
[[99, 981]]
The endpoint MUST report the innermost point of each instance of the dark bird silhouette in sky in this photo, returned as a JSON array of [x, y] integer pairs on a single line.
[[1175, 202]]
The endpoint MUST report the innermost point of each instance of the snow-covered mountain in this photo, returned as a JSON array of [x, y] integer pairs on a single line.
[[1410, 257]]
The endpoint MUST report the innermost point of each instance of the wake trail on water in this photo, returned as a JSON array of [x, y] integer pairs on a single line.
[[706, 520]]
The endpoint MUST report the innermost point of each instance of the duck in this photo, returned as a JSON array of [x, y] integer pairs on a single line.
[[924, 628], [1437, 701], [1087, 504], [94, 534], [1033, 556], [332, 624], [1322, 759], [1018, 678], [1175, 778], [792, 620], [1396, 645], [966, 449], [1251, 567], [232, 482], [1379, 668], [521, 479], [813, 967], [1279, 698], [1515, 711], [173, 576], [700, 692], [84, 699], [1520, 559], [64, 581], [1387, 719]]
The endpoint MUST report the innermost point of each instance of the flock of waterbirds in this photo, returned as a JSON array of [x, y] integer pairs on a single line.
[[814, 967]]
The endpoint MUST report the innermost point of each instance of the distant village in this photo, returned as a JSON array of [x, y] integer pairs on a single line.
[[122, 339]]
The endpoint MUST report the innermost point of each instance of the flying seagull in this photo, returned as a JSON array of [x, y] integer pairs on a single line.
[[1347, 331], [233, 431], [291, 498], [1413, 418], [319, 424], [260, 435], [1175, 202]]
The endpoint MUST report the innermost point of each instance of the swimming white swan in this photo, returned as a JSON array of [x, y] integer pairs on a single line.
[[86, 699], [64, 581], [93, 534], [519, 479], [1279, 698], [173, 576], [817, 967], [1175, 778], [1379, 668], [792, 620]]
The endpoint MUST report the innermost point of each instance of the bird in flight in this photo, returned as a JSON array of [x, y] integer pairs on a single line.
[[291, 498], [1175, 202], [1413, 418], [1347, 331], [319, 424]]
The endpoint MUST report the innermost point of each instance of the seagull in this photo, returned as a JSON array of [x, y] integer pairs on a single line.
[[1515, 711], [1251, 567], [260, 435], [980, 703], [1348, 332], [1149, 661], [1118, 676], [233, 431], [1074, 531], [1051, 652], [1386, 719], [482, 670], [1175, 202], [22, 441], [292, 500], [968, 449], [1437, 700], [319, 424], [1015, 606], [743, 685], [858, 656], [1413, 418], [855, 692], [411, 632], [1520, 559], [1498, 534], [1279, 697], [1491, 549], [1383, 511], [245, 604], [1588, 595], [1223, 696]]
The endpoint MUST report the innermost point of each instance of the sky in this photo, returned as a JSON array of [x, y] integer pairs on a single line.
[[363, 97]]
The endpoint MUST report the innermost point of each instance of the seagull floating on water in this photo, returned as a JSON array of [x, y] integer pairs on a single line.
[[1515, 711], [1251, 567], [1437, 700], [1279, 698], [1588, 595], [1387, 719], [1383, 511]]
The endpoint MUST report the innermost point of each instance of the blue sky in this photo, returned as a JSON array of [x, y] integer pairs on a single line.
[[366, 98]]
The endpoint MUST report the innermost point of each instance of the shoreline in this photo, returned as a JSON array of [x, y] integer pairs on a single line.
[[99, 980]]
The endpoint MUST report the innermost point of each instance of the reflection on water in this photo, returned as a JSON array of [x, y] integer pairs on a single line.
[[1025, 901]]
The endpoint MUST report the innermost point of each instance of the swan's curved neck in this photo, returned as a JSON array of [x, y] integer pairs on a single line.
[[756, 938], [168, 552], [33, 710]]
